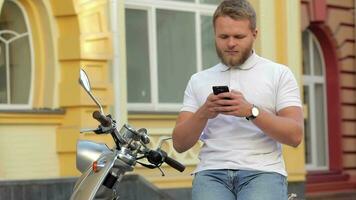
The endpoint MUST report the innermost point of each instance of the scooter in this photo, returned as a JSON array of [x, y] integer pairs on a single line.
[[103, 168]]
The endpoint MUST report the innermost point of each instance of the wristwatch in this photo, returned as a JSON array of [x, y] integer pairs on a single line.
[[255, 112]]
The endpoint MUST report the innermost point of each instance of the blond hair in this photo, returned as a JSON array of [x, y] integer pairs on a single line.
[[236, 9]]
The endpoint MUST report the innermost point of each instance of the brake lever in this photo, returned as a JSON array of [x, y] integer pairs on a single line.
[[87, 130], [152, 167], [100, 130], [161, 142], [105, 129]]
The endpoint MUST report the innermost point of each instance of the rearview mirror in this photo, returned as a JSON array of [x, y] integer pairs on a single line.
[[84, 80]]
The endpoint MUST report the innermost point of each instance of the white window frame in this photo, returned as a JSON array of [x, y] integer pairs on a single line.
[[310, 81], [151, 6], [8, 105]]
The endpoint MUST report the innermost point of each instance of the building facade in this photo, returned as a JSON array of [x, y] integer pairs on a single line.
[[329, 80], [139, 55]]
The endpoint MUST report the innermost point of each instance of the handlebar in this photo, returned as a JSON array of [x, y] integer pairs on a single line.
[[175, 164], [104, 120], [130, 143], [159, 156], [155, 157]]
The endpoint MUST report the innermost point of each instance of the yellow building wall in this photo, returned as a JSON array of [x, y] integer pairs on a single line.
[[27, 138], [28, 152], [66, 35], [27, 145], [84, 42], [289, 53]]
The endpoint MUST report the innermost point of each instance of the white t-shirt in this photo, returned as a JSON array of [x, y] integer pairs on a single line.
[[231, 142]]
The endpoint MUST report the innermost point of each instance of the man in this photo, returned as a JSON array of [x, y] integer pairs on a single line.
[[241, 130]]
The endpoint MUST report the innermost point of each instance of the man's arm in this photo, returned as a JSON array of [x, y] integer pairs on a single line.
[[286, 126], [187, 131], [189, 126]]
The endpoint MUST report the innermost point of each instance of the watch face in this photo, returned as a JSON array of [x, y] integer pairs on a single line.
[[255, 111]]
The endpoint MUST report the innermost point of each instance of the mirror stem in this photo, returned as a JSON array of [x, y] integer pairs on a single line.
[[96, 102]]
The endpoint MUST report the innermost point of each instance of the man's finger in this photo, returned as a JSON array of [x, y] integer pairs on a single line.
[[236, 92]]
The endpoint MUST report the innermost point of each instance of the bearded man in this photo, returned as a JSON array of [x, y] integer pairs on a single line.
[[242, 130]]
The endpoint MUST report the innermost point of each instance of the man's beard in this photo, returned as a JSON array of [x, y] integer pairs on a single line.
[[234, 61]]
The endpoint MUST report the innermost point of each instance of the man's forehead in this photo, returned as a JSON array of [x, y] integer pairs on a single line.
[[227, 18], [226, 21]]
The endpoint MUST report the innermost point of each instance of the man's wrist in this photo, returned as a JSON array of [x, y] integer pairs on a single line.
[[249, 112], [254, 112], [201, 114]]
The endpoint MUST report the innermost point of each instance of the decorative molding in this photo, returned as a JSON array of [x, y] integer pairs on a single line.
[[318, 11], [31, 118]]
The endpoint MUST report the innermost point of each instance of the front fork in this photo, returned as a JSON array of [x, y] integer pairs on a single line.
[[108, 190]]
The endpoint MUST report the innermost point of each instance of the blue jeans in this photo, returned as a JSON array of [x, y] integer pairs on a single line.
[[239, 185]]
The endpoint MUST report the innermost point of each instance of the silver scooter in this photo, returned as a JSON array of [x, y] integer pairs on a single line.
[[103, 168]]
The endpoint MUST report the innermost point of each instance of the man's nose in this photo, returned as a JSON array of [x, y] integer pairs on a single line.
[[231, 42]]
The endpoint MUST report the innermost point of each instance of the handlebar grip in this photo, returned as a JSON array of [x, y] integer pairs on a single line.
[[105, 121], [175, 164], [159, 156]]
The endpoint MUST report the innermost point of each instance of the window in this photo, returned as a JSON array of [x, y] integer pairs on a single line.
[[15, 58], [316, 132], [166, 41]]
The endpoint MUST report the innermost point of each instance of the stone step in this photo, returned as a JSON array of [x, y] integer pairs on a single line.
[[132, 187]]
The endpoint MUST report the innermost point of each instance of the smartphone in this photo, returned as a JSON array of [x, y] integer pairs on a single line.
[[220, 89]]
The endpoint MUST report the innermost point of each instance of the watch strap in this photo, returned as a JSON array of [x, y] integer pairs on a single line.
[[251, 117]]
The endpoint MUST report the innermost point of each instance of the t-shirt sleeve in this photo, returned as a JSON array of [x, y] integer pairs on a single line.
[[190, 103], [288, 93]]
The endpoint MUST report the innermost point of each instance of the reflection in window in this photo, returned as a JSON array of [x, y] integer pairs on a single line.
[[209, 55], [165, 45], [176, 53], [15, 56], [138, 63], [210, 1]]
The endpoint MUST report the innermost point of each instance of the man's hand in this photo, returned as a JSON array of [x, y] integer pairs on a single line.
[[209, 107], [189, 126], [233, 103]]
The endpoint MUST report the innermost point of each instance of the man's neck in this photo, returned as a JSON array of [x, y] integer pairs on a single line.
[[239, 66]]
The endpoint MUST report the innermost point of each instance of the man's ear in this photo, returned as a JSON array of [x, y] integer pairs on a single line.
[[254, 33]]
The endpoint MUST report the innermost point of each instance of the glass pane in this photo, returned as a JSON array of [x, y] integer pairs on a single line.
[[208, 42], [306, 53], [20, 70], [318, 65], [3, 90], [176, 51], [12, 18], [307, 127], [138, 62], [210, 1], [185, 0], [321, 133], [182, 0]]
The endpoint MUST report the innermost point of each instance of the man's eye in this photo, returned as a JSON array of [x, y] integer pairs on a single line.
[[240, 36]]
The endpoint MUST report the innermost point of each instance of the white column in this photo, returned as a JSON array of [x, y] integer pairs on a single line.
[[117, 9]]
